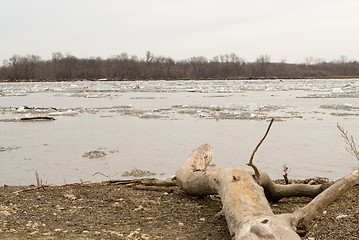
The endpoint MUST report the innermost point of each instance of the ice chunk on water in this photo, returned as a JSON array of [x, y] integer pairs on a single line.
[[345, 106], [68, 112], [337, 90], [149, 115], [21, 109]]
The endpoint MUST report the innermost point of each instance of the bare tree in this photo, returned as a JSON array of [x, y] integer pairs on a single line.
[[62, 67], [197, 64], [309, 60]]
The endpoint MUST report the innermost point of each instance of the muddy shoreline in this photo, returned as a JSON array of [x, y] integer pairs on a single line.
[[110, 211]]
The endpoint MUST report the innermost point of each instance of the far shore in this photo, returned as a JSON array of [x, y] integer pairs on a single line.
[[184, 79]]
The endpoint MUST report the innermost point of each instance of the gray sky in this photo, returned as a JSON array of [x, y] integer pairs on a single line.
[[283, 29]]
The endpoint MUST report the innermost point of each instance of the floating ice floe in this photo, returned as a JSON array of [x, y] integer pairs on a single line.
[[3, 148], [149, 115], [137, 173], [94, 154], [345, 106], [22, 109], [65, 113], [337, 90], [92, 96]]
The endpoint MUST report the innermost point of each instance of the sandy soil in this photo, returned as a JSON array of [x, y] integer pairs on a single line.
[[109, 211]]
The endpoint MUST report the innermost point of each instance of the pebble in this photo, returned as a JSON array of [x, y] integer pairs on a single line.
[[139, 208], [6, 213], [133, 234], [180, 224], [145, 236], [342, 216], [70, 196], [34, 232]]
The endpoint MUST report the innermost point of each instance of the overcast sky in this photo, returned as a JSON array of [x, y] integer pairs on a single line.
[[283, 29]]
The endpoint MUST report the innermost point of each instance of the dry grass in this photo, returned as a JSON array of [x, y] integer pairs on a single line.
[[349, 140]]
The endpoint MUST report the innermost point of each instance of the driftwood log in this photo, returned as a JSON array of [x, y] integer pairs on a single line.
[[37, 118], [245, 197]]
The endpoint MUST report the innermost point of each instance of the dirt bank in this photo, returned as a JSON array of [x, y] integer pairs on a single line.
[[109, 211]]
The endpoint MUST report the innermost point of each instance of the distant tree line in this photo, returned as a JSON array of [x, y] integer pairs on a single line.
[[66, 67]]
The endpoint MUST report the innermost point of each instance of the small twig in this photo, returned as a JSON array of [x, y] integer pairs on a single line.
[[256, 172], [303, 232], [89, 181], [349, 141], [30, 189], [108, 176], [153, 188], [38, 180]]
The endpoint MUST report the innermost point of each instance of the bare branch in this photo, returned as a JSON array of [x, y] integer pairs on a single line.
[[305, 215], [256, 172], [351, 147]]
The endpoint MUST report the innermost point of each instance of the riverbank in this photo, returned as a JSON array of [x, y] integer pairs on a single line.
[[111, 211]]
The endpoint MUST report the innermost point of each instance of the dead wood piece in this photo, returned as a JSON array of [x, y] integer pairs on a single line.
[[146, 182], [245, 201], [304, 216], [37, 118], [247, 211], [244, 196], [275, 192], [250, 163], [153, 188]]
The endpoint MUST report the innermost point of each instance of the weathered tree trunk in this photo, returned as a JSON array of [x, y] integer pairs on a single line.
[[245, 202]]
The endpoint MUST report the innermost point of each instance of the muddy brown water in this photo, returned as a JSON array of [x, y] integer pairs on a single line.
[[154, 125]]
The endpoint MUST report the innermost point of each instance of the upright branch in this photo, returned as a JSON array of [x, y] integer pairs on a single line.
[[251, 164], [285, 175], [349, 141]]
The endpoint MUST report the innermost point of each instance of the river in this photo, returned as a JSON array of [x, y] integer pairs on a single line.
[[117, 127]]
